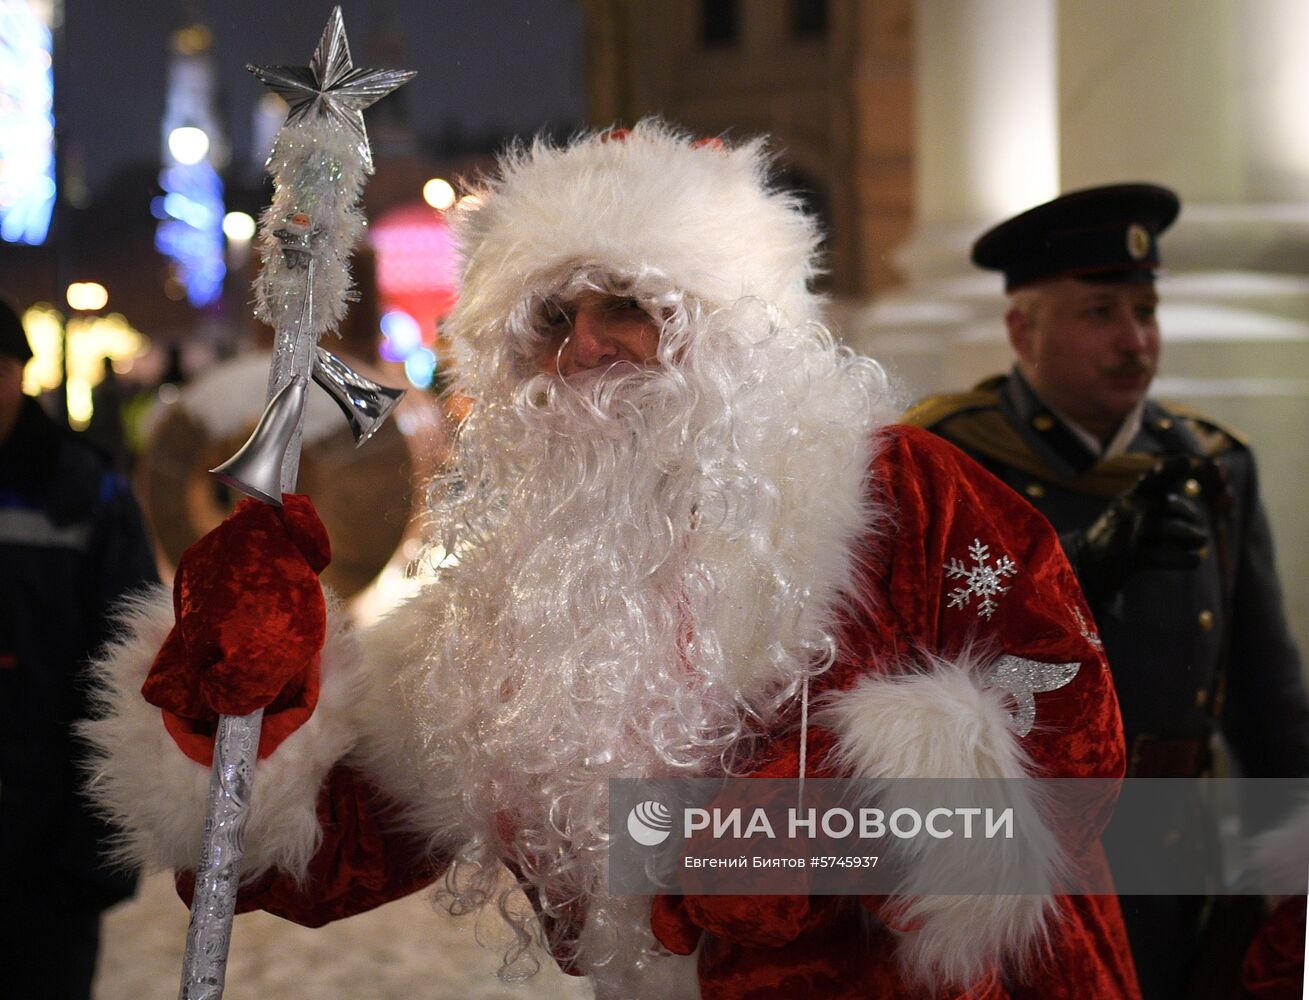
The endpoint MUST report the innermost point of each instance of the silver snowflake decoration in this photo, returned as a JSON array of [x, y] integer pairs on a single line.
[[980, 580], [1022, 680]]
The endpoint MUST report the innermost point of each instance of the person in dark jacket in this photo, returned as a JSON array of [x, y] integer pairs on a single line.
[[1158, 509], [72, 543]]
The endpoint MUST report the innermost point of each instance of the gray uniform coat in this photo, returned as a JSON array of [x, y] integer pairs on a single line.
[[1193, 652]]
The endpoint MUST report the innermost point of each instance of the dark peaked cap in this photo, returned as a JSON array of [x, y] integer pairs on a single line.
[[1096, 234], [13, 341]]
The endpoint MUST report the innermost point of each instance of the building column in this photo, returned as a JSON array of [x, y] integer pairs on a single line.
[[1277, 92], [985, 79], [1208, 98]]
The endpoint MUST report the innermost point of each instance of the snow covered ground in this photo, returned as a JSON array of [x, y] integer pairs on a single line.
[[406, 950]]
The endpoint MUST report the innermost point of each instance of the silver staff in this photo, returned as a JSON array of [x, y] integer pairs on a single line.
[[319, 163]]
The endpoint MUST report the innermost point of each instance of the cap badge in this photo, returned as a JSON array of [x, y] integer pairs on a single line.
[[1138, 241]]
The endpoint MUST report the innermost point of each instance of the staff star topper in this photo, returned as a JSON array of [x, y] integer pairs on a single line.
[[330, 84]]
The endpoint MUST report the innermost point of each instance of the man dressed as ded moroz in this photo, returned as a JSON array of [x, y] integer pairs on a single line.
[[678, 510], [1158, 509]]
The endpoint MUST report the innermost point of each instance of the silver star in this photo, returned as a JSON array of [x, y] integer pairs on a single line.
[[330, 85]]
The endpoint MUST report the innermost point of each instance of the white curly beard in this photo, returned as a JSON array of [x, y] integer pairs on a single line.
[[648, 566]]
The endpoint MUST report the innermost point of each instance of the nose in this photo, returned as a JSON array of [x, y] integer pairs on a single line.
[[1133, 334], [591, 344]]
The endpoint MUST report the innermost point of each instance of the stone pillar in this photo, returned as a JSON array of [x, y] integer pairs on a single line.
[[1210, 94], [1207, 97], [1149, 91], [1276, 94], [984, 77]]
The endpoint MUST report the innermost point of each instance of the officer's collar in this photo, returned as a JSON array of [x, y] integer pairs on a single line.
[[1065, 445], [1119, 443]]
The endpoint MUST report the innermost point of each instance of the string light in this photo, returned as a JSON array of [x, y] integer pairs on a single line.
[[188, 144], [91, 339], [87, 296], [439, 193]]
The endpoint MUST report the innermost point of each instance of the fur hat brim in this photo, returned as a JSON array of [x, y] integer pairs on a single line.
[[702, 216]]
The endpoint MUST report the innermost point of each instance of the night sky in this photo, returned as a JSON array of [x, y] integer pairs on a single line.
[[488, 66]]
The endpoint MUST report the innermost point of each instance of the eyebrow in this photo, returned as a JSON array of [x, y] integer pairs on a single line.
[[1099, 298]]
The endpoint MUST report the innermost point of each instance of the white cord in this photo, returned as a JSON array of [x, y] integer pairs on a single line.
[[804, 738]]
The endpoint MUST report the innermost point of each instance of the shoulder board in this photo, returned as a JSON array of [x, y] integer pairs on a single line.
[[935, 409], [1213, 436]]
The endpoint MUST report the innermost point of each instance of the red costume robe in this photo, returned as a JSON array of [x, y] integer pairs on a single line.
[[958, 573]]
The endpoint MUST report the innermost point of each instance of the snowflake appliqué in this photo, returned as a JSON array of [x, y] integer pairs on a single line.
[[980, 579]]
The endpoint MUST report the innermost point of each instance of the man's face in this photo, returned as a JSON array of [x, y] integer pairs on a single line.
[[1089, 350], [595, 332]]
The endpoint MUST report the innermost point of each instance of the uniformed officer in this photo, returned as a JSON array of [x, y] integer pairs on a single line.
[[1157, 507]]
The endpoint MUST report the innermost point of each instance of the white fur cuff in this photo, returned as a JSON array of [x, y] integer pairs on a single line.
[[942, 721], [158, 795], [1279, 858]]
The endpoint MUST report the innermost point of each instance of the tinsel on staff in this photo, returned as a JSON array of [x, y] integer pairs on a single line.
[[320, 161]]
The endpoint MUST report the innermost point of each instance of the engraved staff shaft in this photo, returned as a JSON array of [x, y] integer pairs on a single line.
[[236, 742]]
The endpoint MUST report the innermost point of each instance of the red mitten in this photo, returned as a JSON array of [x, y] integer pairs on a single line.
[[250, 624]]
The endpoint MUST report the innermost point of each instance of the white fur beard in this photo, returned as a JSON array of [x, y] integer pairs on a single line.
[[640, 587]]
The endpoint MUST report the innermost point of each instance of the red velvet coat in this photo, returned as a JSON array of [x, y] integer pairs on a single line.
[[1274, 962], [960, 569]]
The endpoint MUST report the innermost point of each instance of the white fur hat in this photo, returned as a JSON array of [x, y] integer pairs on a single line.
[[699, 215]]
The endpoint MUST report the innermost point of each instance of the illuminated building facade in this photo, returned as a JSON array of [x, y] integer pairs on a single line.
[[830, 80]]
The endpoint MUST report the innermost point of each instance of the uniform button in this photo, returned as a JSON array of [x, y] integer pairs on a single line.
[[1043, 422], [1034, 490], [1163, 424], [1206, 619], [1191, 488], [1201, 698]]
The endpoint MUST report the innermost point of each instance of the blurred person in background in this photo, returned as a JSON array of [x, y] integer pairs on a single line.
[[72, 545]]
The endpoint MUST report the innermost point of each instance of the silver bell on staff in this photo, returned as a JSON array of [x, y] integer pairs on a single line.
[[256, 469]]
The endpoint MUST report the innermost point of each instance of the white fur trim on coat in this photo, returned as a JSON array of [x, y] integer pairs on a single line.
[[941, 721], [1279, 858], [157, 795]]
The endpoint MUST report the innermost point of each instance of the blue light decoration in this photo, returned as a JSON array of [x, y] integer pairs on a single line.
[[420, 368], [402, 340], [27, 123], [190, 213], [190, 232], [401, 335]]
